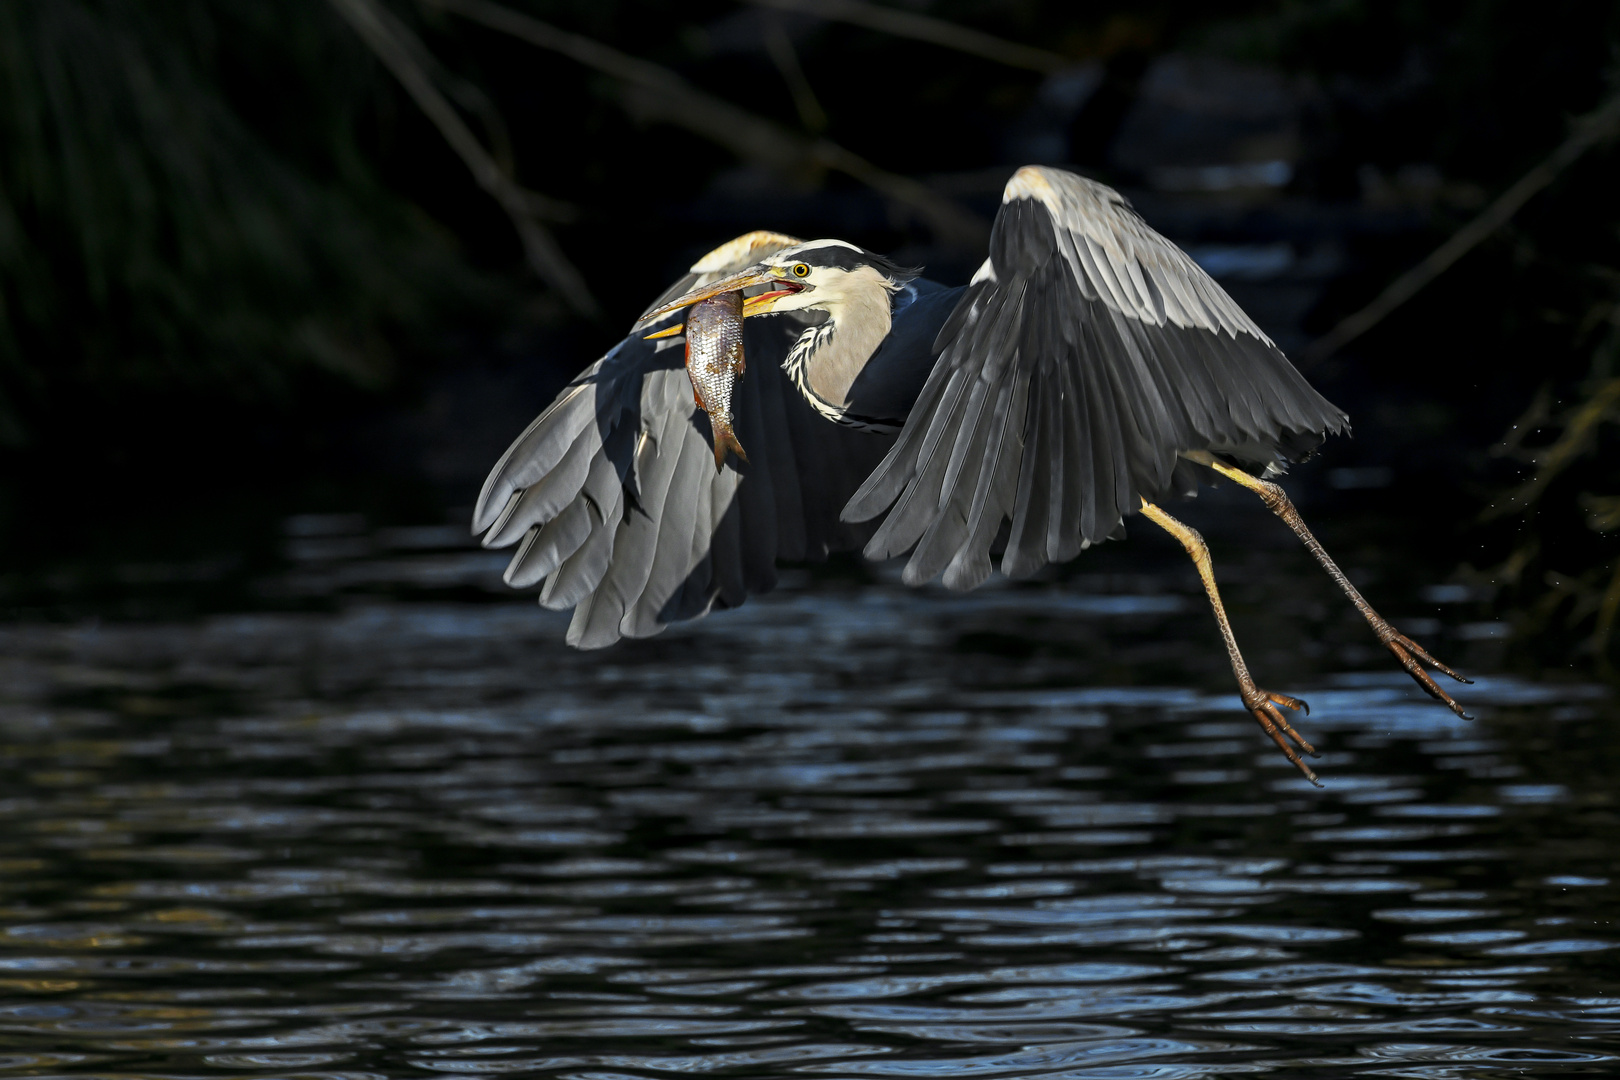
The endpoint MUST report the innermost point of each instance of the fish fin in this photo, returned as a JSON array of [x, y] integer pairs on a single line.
[[725, 439]]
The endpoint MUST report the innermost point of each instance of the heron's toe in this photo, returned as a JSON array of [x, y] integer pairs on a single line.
[[1297, 704], [1412, 657], [1265, 707]]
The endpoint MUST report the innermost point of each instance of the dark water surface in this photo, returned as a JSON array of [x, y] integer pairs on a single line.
[[840, 833]]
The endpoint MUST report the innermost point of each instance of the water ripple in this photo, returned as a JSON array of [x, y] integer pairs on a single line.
[[410, 839]]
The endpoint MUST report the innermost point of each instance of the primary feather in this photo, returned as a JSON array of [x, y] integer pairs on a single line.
[[1035, 409]]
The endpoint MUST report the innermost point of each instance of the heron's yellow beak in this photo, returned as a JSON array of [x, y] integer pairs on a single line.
[[758, 304]]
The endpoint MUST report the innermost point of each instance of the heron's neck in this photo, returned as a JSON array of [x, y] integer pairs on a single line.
[[826, 359]]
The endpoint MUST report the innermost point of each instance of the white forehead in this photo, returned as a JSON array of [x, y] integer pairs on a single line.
[[788, 255]]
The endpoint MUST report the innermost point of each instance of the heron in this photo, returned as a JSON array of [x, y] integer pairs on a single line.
[[1088, 372]]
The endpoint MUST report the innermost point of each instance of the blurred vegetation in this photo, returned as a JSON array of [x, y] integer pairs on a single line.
[[229, 240], [1512, 358], [185, 206], [1563, 570]]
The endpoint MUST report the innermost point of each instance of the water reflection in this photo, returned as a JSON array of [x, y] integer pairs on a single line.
[[413, 839]]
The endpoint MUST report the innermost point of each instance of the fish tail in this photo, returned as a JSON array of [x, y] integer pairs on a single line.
[[724, 439]]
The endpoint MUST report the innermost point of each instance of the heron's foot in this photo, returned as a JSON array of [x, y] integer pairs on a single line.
[[1412, 657], [1265, 707]]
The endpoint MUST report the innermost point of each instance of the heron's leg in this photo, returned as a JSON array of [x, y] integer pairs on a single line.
[[1411, 655], [1262, 703]]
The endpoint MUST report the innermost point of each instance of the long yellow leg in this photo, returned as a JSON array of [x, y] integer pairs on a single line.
[[1411, 655], [1262, 703]]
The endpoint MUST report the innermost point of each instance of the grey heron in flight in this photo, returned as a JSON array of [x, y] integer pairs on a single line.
[[1090, 370]]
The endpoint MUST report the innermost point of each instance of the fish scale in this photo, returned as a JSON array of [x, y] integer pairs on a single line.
[[714, 363]]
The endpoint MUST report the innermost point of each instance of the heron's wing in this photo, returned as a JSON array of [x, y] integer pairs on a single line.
[[731, 257], [615, 502], [1088, 352]]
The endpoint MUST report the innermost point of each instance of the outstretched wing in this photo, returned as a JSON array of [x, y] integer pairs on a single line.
[[615, 502], [1088, 352]]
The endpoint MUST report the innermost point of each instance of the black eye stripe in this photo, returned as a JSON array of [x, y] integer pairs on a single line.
[[839, 257]]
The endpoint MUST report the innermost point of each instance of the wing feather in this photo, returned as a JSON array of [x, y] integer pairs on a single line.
[[614, 496], [918, 493], [997, 484], [944, 532], [816, 488], [694, 597], [637, 542], [1087, 355], [969, 439], [546, 546], [606, 492], [781, 470], [1026, 541], [542, 445], [726, 511], [673, 528], [547, 497], [579, 575], [1066, 531]]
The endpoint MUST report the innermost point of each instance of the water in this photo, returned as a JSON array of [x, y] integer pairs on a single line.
[[844, 833]]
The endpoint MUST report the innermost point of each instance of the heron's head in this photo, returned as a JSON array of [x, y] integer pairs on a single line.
[[822, 275]]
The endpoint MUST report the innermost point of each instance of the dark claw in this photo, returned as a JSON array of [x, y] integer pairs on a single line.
[[1418, 651], [1296, 704], [1263, 704], [1405, 649]]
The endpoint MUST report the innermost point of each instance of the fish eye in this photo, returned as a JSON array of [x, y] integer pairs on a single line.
[[801, 270]]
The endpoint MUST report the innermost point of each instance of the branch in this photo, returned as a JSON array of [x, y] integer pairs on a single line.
[[656, 92], [398, 49], [1589, 130], [907, 24], [1580, 430], [780, 48]]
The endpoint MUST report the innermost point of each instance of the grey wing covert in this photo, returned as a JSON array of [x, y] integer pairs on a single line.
[[615, 503], [1087, 355]]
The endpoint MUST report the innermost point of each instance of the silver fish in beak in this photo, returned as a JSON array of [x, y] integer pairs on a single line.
[[714, 363]]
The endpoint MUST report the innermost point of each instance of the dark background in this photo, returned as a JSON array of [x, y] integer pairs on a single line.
[[248, 292]]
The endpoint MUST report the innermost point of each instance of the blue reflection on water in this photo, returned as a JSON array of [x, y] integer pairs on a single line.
[[405, 840]]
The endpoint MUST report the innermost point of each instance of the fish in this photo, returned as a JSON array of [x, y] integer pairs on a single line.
[[714, 363]]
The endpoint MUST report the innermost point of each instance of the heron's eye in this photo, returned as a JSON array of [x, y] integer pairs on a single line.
[[801, 270]]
